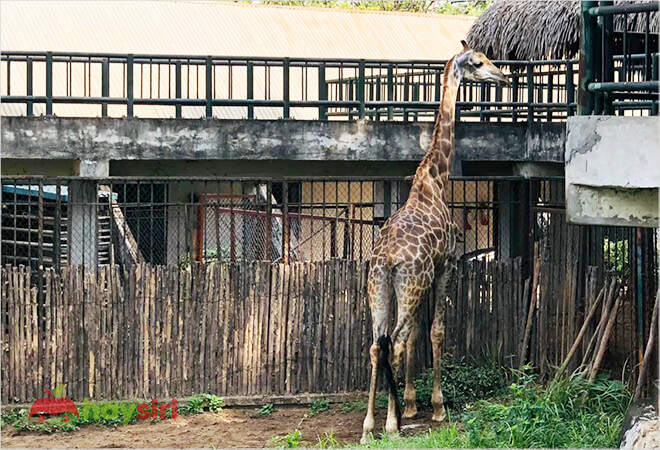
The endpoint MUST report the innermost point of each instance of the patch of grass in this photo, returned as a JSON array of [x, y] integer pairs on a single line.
[[318, 406], [449, 437], [357, 405], [461, 382], [290, 440], [327, 441], [567, 413], [203, 402], [266, 410]]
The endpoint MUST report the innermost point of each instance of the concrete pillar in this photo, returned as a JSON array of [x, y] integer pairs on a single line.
[[179, 220], [504, 222], [82, 227], [83, 202]]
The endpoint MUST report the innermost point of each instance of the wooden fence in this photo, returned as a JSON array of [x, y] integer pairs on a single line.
[[248, 329]]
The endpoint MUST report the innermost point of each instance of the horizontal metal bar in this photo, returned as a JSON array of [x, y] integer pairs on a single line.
[[624, 9], [200, 59], [118, 179], [623, 86]]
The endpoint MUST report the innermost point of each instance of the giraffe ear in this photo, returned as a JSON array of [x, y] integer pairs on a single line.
[[466, 47]]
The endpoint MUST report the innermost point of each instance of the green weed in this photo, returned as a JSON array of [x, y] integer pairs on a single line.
[[357, 405], [203, 402], [266, 409], [318, 406], [327, 441], [290, 440], [567, 413]]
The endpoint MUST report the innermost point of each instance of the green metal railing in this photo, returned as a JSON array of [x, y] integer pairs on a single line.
[[121, 85], [618, 66]]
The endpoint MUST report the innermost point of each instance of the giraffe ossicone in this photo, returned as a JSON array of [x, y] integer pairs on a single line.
[[416, 245]]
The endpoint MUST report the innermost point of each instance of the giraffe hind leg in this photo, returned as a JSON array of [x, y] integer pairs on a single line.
[[379, 298], [437, 340], [409, 395]]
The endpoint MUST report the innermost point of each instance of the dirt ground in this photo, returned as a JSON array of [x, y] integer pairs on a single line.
[[232, 427]]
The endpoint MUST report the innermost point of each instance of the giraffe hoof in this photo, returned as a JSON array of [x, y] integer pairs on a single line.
[[410, 412], [366, 438], [439, 417]]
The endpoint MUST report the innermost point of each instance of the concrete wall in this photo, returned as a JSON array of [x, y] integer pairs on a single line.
[[613, 170], [97, 144]]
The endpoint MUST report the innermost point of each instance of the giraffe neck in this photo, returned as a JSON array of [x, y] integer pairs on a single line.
[[433, 172]]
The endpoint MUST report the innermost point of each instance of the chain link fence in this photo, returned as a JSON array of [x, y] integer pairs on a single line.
[[54, 222]]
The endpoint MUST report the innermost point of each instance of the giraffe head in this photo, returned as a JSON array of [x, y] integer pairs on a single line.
[[474, 66]]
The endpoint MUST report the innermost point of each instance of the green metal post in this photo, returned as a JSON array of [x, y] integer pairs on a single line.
[[49, 84], [654, 76], [129, 86], [177, 83], [607, 60], [209, 87], [588, 50], [105, 85], [250, 89], [390, 91], [570, 89], [30, 110], [286, 114], [360, 89], [323, 92]]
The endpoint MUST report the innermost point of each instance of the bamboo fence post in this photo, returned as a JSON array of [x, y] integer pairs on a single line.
[[532, 306], [606, 336], [580, 335], [649, 349]]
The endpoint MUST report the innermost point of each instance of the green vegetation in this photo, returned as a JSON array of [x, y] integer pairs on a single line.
[[468, 7], [110, 414], [266, 410], [357, 405], [318, 406], [327, 441], [291, 440], [567, 413], [201, 402], [461, 382]]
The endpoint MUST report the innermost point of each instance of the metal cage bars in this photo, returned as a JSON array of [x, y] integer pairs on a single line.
[[334, 89]]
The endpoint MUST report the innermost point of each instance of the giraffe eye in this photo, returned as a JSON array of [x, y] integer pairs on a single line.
[[477, 64]]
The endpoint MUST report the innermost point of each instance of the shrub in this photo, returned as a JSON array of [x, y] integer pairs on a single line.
[[201, 402], [461, 383], [318, 406], [266, 409], [290, 440]]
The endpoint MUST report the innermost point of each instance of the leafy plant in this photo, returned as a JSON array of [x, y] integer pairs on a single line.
[[201, 402], [318, 406], [266, 409], [461, 383], [357, 405], [327, 440], [567, 413], [290, 440]]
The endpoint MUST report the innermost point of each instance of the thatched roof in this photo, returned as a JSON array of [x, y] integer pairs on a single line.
[[533, 29]]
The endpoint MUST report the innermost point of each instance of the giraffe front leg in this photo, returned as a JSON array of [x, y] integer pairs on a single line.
[[369, 421], [409, 397]]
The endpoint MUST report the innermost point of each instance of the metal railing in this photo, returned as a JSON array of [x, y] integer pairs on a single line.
[[619, 58], [124, 85]]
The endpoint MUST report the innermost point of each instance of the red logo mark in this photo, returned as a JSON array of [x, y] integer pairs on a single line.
[[53, 406]]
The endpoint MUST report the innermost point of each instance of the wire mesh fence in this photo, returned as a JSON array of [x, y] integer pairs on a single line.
[[54, 222]]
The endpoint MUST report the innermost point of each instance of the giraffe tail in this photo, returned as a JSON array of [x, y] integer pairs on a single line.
[[384, 344]]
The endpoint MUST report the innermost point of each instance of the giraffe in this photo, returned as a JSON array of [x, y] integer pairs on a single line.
[[417, 244]]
